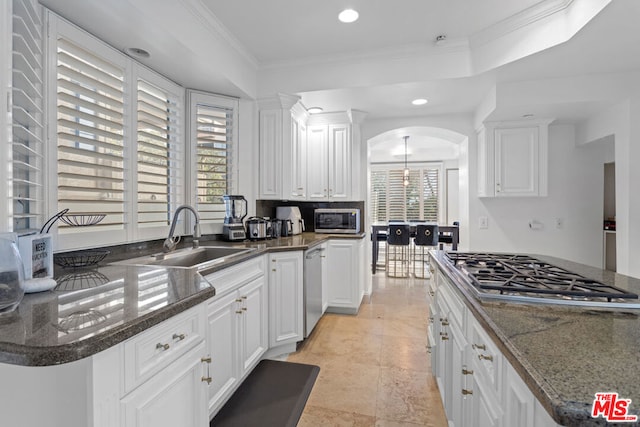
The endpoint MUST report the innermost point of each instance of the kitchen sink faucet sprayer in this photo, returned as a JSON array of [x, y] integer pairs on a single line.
[[171, 242]]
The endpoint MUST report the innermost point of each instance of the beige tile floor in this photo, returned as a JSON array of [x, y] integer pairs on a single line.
[[374, 368]]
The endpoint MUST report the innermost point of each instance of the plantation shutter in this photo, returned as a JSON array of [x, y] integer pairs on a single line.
[[159, 154], [90, 111], [214, 148], [378, 199], [27, 116], [430, 186], [392, 200]]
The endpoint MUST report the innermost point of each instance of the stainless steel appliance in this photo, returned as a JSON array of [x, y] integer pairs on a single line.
[[522, 278], [312, 288], [235, 209], [293, 214], [257, 228], [337, 221]]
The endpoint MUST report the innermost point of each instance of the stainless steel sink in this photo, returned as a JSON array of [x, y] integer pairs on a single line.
[[199, 258]]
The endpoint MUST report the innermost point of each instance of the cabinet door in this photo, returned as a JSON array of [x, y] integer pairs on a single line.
[[295, 186], [342, 276], [340, 166], [482, 405], [270, 154], [285, 298], [317, 166], [518, 400], [254, 323], [174, 397], [517, 161], [324, 265], [224, 348]]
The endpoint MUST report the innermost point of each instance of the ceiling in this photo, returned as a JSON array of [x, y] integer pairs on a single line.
[[389, 56]]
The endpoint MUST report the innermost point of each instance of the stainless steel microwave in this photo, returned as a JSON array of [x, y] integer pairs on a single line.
[[338, 221]]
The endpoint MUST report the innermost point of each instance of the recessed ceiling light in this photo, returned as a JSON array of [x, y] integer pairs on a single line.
[[314, 110], [348, 15], [419, 101], [137, 52]]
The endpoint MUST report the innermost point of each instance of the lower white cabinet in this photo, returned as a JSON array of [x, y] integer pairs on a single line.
[[237, 333], [174, 397], [286, 305], [324, 265], [477, 384], [344, 276]]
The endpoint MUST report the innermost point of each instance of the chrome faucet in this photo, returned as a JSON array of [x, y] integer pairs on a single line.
[[171, 242]]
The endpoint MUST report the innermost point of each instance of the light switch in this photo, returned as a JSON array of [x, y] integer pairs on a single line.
[[483, 222]]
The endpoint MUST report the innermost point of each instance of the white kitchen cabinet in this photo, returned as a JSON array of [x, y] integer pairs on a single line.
[[513, 159], [282, 135], [237, 327], [345, 287], [286, 309], [329, 162], [324, 266], [176, 396]]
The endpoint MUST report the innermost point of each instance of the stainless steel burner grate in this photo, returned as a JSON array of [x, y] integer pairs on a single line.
[[524, 276]]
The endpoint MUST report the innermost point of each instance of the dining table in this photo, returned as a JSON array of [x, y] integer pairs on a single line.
[[447, 234]]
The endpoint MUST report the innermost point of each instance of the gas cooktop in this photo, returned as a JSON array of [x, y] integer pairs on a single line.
[[527, 279]]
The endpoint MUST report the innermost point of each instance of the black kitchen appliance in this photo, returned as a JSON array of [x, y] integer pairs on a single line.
[[235, 209]]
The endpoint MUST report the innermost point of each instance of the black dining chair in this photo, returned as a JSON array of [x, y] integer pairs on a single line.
[[397, 254], [426, 237]]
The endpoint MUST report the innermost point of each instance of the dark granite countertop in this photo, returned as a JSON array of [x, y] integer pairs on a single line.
[[92, 309], [564, 354]]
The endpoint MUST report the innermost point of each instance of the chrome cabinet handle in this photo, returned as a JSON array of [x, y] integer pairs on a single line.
[[207, 380], [206, 359], [466, 371], [239, 311], [445, 323], [466, 392], [161, 346], [483, 357], [479, 346], [179, 336]]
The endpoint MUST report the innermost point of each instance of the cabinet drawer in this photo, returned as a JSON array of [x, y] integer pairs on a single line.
[[455, 304], [154, 349], [486, 358], [232, 277]]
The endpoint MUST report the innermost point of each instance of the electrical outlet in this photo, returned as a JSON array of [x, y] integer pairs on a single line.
[[483, 222], [559, 223]]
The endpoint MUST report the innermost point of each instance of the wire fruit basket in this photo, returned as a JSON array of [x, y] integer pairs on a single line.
[[81, 220], [81, 258]]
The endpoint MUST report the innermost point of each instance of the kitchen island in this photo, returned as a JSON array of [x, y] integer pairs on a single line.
[[564, 354]]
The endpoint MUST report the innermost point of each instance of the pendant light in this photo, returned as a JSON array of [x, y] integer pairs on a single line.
[[406, 167]]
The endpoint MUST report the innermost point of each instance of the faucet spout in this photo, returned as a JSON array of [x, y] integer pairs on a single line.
[[171, 242]]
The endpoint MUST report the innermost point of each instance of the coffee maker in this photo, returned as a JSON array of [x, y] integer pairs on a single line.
[[235, 209]]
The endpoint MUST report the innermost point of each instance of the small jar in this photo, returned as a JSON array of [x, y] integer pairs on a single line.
[[11, 276]]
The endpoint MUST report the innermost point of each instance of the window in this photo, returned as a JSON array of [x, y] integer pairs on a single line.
[[27, 115], [391, 199], [214, 151], [118, 143]]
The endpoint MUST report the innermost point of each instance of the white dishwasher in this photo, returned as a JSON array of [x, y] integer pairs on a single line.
[[312, 289]]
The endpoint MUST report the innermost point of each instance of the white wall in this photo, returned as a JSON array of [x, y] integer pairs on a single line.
[[575, 196]]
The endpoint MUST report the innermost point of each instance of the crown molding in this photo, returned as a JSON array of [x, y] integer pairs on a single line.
[[521, 19], [204, 15]]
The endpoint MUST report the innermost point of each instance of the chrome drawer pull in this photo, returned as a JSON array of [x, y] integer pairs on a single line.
[[445, 323], [466, 371], [239, 311], [179, 336], [207, 380], [206, 360], [479, 346], [482, 356], [161, 346], [240, 299], [466, 392]]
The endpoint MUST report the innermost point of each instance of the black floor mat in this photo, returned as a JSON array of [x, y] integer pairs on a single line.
[[273, 395]]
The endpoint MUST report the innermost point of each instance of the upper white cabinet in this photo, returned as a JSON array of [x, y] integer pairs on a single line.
[[306, 157], [513, 159], [282, 148]]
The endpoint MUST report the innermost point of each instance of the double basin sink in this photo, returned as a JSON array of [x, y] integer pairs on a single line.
[[200, 258]]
